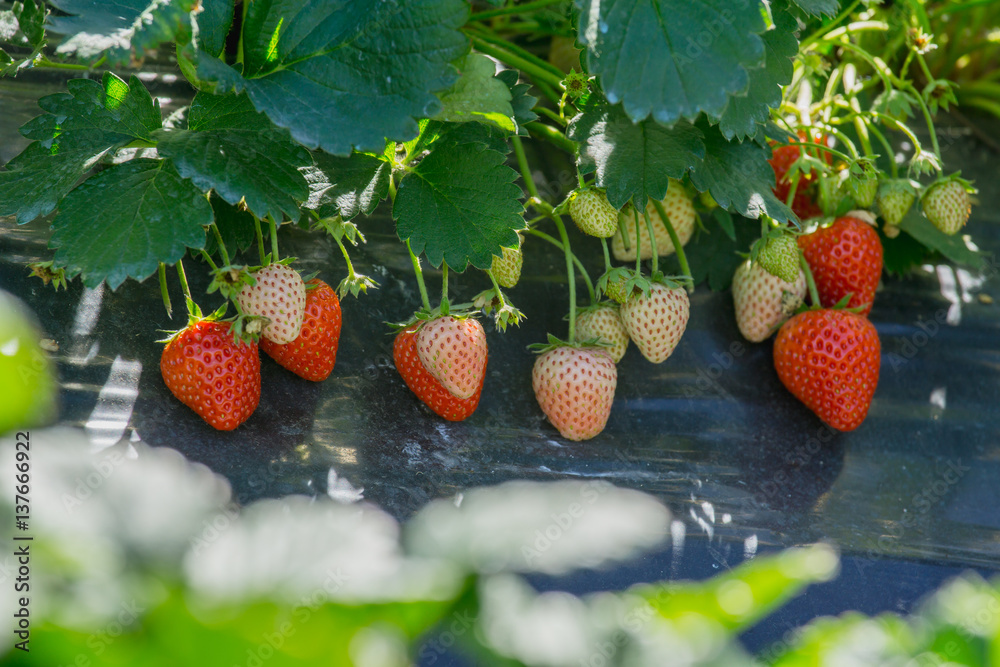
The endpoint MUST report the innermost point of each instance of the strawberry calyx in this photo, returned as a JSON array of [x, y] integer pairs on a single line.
[[462, 311], [952, 178], [494, 302], [49, 273], [553, 343], [230, 279]]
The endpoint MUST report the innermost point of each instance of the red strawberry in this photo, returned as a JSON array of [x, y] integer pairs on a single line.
[[575, 387], [656, 322], [280, 295], [423, 384], [679, 208], [782, 158], [454, 351], [604, 323], [764, 301], [845, 257], [946, 205], [212, 374], [829, 359], [313, 354]]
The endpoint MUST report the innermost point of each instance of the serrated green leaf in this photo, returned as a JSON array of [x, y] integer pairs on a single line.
[[952, 247], [459, 205], [235, 225], [214, 22], [818, 7], [119, 26], [437, 133], [632, 160], [671, 59], [744, 113], [127, 219], [477, 95], [521, 101], [347, 75], [80, 128], [31, 20], [234, 150], [725, 221], [738, 176], [347, 186]]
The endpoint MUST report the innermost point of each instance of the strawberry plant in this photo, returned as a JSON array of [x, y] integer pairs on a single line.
[[691, 126]]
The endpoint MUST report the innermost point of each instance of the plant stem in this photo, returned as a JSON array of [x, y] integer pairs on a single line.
[[539, 74], [840, 17], [569, 274], [522, 163], [208, 258], [260, 239], [444, 288], [551, 135], [273, 226], [163, 289], [652, 239], [513, 9], [607, 255], [576, 261], [182, 278], [810, 281], [420, 277], [893, 168], [552, 74], [347, 257], [550, 114], [638, 242], [48, 64], [222, 246], [678, 247]]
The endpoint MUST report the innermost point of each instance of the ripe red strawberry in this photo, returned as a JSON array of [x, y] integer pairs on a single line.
[[782, 158], [593, 214], [780, 257], [946, 205], [605, 324], [845, 257], [575, 387], [423, 384], [656, 322], [679, 208], [829, 359], [764, 301], [212, 374], [313, 354], [507, 269], [280, 295], [454, 351]]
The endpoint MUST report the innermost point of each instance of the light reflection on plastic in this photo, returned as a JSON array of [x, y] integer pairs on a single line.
[[87, 311], [111, 415], [341, 490], [750, 547], [949, 290], [939, 397]]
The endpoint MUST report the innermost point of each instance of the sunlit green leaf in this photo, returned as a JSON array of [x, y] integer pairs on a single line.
[[347, 186], [477, 95]]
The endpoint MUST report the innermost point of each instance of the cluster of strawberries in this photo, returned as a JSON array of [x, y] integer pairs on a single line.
[[214, 368]]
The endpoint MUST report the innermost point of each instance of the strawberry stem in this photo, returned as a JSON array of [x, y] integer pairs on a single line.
[[222, 246], [211, 262], [652, 239], [260, 239], [273, 228], [444, 288], [522, 163], [182, 278], [163, 290], [420, 277], [678, 246], [576, 261], [638, 242], [607, 256], [893, 168], [569, 274], [810, 281]]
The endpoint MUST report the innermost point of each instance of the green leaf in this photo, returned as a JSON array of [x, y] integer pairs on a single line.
[[738, 176], [347, 75], [459, 205], [124, 221], [231, 148], [521, 101], [235, 225], [31, 20], [437, 133], [744, 113], [477, 95], [902, 254], [81, 126], [347, 186], [671, 59], [818, 7], [725, 221], [952, 247], [214, 23], [96, 26], [633, 160]]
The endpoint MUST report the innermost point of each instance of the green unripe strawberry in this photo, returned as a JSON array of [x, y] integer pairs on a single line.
[[593, 214], [863, 183], [27, 389], [780, 257], [895, 197], [616, 290], [507, 269], [946, 205]]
